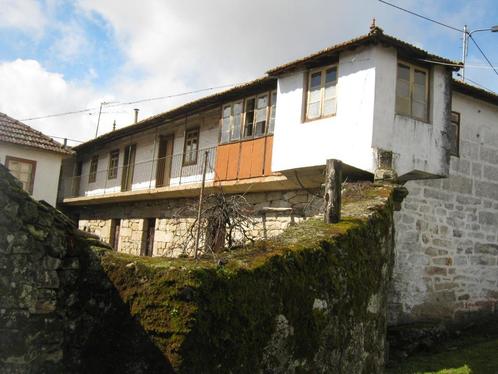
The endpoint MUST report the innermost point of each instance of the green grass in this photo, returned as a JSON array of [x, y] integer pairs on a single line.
[[472, 358]]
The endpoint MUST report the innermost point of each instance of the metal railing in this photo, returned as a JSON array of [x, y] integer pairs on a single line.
[[172, 170]]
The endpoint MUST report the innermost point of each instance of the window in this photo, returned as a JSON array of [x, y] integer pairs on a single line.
[[412, 91], [455, 134], [273, 108], [322, 98], [191, 147], [231, 122], [112, 172], [23, 170], [94, 163]]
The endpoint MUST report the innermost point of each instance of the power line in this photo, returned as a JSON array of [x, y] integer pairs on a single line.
[[477, 84], [421, 16], [130, 102], [483, 54]]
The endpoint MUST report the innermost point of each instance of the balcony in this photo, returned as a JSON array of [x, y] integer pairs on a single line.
[[236, 167], [142, 176]]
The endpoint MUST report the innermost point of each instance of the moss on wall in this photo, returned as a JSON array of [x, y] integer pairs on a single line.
[[312, 300]]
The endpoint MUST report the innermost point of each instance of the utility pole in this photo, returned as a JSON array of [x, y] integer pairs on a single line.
[[199, 210], [464, 50]]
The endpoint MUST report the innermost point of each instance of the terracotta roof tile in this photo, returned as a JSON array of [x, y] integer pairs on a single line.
[[13, 131]]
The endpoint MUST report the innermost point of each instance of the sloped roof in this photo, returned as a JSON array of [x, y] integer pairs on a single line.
[[190, 108], [375, 36], [476, 92], [16, 132]]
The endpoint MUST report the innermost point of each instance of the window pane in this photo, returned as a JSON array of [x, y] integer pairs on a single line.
[[262, 102], [331, 75], [315, 95], [227, 111], [237, 121], [330, 92], [249, 123], [420, 77], [419, 110], [403, 89], [329, 107], [419, 92], [237, 108], [225, 130], [402, 105], [271, 125], [313, 110], [403, 72], [315, 79]]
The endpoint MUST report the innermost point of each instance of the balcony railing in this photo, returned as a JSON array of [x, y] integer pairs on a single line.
[[174, 170]]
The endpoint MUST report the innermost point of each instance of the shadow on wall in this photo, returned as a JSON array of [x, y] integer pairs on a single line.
[[59, 312]]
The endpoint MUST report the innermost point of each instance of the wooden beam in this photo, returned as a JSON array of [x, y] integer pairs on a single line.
[[332, 196]]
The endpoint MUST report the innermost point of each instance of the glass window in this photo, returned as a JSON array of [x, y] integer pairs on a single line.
[[112, 172], [249, 122], [261, 113], [191, 147], [237, 120], [322, 97], [271, 124], [94, 163], [226, 123], [412, 92], [23, 170]]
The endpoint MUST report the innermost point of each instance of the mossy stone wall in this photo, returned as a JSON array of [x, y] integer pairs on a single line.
[[312, 301]]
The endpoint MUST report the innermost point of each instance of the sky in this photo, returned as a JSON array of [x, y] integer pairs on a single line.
[[59, 56]]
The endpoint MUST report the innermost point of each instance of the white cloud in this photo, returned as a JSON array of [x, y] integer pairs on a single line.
[[25, 15], [178, 46]]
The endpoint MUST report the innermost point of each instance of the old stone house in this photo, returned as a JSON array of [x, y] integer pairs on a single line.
[[32, 157], [385, 108]]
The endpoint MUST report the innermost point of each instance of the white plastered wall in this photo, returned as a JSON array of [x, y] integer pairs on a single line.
[[417, 146], [144, 174], [346, 136], [47, 171]]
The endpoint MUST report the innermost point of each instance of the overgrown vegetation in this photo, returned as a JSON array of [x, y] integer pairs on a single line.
[[471, 357], [207, 317]]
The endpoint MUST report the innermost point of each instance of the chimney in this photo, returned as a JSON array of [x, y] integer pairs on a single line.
[[65, 143], [136, 114], [114, 125]]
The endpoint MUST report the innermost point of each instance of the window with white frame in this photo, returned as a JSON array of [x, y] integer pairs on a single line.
[[273, 111], [248, 118], [191, 147], [112, 171], [322, 97], [412, 91], [231, 122]]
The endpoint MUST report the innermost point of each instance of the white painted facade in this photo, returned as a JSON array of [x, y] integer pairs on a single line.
[[48, 165], [146, 158], [365, 120]]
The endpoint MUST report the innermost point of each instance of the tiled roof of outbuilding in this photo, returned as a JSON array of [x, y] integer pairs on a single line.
[[16, 132]]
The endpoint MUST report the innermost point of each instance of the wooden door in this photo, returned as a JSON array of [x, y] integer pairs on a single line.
[[128, 167], [114, 237], [149, 237], [164, 161]]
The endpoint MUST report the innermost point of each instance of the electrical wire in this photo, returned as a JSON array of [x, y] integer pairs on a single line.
[[483, 54], [421, 16], [477, 84], [130, 102]]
